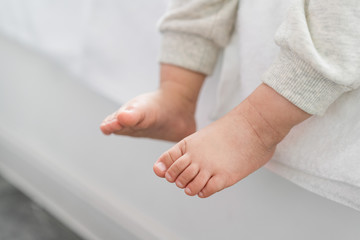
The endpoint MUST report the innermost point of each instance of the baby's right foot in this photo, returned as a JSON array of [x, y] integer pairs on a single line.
[[162, 114], [167, 113]]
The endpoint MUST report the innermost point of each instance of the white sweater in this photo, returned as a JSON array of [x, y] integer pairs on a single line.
[[319, 41]]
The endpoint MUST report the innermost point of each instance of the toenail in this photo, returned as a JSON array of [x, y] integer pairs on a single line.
[[201, 194], [161, 166], [167, 176], [188, 191], [112, 121], [179, 184], [109, 121]]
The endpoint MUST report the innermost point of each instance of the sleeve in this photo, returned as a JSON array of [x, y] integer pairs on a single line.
[[319, 58], [194, 32]]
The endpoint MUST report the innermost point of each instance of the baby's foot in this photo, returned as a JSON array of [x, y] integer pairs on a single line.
[[162, 115], [219, 155], [167, 113]]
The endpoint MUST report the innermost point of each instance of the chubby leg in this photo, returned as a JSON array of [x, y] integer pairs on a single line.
[[167, 113], [231, 148]]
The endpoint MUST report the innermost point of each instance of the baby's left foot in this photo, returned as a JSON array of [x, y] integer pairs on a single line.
[[217, 156], [229, 149]]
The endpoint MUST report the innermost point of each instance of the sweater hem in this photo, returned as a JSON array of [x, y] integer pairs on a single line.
[[189, 51], [301, 84]]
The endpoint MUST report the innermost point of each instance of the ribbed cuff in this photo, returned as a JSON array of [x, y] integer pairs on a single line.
[[189, 51], [301, 84]]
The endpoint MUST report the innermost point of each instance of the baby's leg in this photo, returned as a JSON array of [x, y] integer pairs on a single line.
[[167, 113], [231, 148]]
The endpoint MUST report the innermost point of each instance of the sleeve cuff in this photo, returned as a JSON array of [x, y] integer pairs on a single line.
[[189, 51], [301, 84]]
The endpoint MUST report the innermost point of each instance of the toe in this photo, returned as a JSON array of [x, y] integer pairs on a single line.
[[114, 126], [109, 118], [131, 114], [187, 175], [105, 129], [197, 183], [177, 168], [110, 127], [166, 160], [215, 184], [110, 124]]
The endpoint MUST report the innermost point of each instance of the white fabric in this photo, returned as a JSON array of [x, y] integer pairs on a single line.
[[321, 154]]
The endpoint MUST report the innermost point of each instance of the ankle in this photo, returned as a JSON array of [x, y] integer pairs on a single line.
[[180, 101], [273, 114], [181, 82], [266, 133]]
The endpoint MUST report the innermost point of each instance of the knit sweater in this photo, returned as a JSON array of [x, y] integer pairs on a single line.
[[319, 41]]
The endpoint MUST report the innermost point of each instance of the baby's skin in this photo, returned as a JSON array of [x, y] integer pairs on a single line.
[[218, 156]]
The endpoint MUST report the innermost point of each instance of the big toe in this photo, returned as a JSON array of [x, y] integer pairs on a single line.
[[160, 168], [130, 117], [110, 124]]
